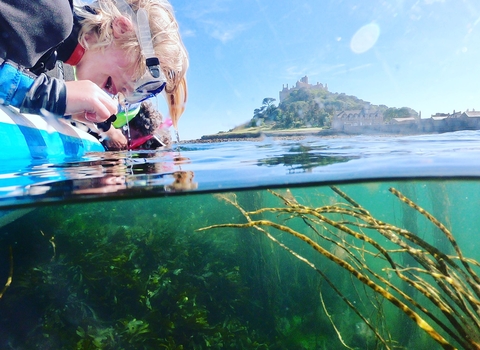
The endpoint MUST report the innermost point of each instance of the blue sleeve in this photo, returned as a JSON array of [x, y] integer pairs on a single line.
[[29, 93], [14, 84]]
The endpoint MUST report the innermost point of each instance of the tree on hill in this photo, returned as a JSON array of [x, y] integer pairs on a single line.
[[267, 112], [314, 108], [403, 112]]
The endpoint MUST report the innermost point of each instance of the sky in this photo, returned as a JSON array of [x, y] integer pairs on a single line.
[[422, 54]]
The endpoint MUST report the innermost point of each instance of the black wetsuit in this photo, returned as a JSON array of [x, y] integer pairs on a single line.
[[31, 32]]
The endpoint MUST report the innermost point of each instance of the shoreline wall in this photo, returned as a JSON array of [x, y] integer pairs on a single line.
[[421, 126]]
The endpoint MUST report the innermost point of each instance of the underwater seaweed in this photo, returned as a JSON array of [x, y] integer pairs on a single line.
[[106, 285], [444, 297]]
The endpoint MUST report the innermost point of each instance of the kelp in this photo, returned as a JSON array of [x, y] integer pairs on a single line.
[[443, 297]]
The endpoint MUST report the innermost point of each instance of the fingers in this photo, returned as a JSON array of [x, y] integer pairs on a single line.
[[115, 146], [85, 97], [115, 140], [91, 117]]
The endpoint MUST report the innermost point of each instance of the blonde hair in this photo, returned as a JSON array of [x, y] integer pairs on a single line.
[[167, 43]]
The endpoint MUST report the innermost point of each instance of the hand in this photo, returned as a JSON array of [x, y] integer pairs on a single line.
[[86, 97], [114, 140]]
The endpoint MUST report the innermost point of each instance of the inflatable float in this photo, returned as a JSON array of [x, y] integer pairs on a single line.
[[27, 136]]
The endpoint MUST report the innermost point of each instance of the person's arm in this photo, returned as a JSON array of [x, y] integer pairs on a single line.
[[112, 139], [30, 94], [45, 92], [20, 88], [49, 22]]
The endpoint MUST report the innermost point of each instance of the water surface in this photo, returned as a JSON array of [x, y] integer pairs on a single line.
[[206, 167]]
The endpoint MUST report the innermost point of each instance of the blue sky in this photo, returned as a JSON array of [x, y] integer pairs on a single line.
[[423, 54]]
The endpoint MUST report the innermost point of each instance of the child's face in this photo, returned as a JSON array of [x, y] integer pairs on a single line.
[[111, 69]]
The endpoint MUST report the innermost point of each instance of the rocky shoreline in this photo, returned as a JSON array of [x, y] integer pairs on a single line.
[[261, 136], [244, 139], [300, 134]]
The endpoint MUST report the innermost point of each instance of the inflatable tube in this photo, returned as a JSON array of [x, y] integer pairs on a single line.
[[9, 216], [27, 136]]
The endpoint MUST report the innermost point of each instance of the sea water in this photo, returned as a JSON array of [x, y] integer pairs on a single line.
[[364, 242]]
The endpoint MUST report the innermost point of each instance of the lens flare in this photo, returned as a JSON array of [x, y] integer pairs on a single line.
[[365, 38]]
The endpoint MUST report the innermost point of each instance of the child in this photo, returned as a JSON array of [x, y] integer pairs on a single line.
[[146, 130], [101, 41]]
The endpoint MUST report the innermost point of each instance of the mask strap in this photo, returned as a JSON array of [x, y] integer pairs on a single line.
[[125, 9], [145, 39], [144, 35]]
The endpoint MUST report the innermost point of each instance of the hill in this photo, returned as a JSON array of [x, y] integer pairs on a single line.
[[316, 108], [308, 110]]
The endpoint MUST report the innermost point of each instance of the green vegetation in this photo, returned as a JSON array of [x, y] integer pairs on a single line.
[[136, 275], [306, 108], [403, 112], [121, 277]]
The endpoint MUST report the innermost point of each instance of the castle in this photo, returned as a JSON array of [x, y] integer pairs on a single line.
[[302, 84]]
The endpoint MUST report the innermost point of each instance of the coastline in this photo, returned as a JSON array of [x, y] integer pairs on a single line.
[[260, 135], [256, 135]]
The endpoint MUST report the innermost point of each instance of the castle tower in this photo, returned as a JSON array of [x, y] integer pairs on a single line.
[[301, 84]]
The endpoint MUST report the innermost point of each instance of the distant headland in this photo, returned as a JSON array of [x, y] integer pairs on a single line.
[[307, 109]]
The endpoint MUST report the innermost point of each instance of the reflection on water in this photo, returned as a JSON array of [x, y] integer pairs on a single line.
[[103, 174], [240, 165], [140, 274], [300, 158]]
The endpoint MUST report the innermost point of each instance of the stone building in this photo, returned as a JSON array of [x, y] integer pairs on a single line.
[[301, 84], [356, 118], [362, 122]]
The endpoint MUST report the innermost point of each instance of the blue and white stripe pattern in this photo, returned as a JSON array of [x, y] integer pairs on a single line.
[[31, 136]]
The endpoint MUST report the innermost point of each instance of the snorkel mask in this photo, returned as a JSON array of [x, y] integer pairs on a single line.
[[153, 81], [148, 142]]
